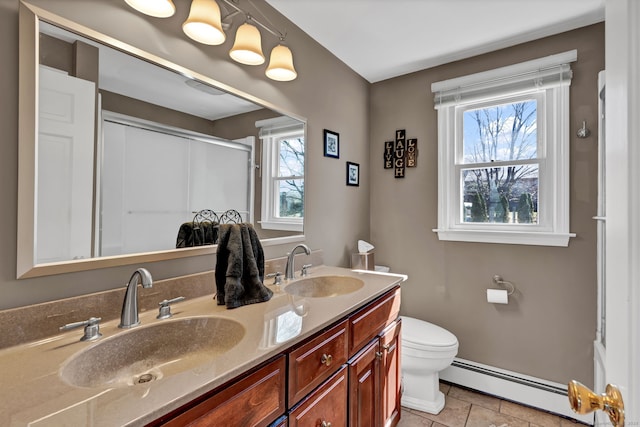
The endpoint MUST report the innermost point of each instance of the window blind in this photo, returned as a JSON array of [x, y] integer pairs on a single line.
[[538, 74]]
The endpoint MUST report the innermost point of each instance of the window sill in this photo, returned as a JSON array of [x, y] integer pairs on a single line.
[[284, 226], [506, 237]]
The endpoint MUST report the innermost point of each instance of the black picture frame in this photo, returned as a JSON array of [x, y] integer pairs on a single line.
[[331, 144], [353, 174]]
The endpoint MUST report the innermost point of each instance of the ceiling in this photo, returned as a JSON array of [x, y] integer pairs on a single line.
[[381, 39]]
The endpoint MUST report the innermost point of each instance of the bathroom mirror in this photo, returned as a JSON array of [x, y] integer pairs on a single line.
[[119, 148]]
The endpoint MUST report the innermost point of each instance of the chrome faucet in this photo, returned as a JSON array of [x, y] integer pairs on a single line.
[[129, 317], [290, 268]]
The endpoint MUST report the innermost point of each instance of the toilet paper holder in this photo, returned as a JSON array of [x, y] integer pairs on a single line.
[[497, 280]]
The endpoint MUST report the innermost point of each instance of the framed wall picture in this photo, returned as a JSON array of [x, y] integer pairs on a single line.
[[353, 174], [331, 144]]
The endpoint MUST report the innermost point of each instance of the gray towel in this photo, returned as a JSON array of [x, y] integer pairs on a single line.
[[240, 267], [197, 234]]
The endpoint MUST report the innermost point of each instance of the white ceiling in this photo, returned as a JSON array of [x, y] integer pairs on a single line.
[[380, 39]]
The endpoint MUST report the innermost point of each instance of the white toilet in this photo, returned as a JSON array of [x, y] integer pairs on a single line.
[[426, 349]]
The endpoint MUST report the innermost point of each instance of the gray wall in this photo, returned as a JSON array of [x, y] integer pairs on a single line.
[[548, 328], [327, 93]]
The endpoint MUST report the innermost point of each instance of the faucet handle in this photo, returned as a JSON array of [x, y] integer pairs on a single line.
[[305, 269], [164, 311], [91, 328], [277, 277]]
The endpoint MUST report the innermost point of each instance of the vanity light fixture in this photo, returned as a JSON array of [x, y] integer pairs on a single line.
[[281, 64], [248, 46], [155, 8], [206, 24]]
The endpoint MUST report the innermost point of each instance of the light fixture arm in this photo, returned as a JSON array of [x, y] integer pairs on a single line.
[[251, 18]]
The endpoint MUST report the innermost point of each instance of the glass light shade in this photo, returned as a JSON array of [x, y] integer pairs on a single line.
[[248, 46], [281, 65], [155, 8], [203, 24]]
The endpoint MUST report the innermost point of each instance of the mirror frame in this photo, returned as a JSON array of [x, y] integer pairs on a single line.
[[28, 60]]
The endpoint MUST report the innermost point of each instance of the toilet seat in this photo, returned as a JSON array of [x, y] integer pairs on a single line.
[[420, 335]]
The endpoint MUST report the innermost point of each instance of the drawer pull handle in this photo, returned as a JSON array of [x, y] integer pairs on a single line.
[[389, 348], [326, 360], [325, 424]]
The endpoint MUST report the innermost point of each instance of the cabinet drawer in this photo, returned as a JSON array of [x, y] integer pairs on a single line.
[[255, 400], [316, 360], [327, 404], [370, 320]]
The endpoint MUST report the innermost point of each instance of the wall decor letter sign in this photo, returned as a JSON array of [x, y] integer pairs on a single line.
[[401, 153], [388, 154], [412, 152]]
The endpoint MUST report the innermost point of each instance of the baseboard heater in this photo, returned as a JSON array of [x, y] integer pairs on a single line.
[[513, 386]]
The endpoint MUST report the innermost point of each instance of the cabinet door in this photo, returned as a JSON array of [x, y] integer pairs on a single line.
[[326, 406], [255, 400], [364, 387], [390, 374]]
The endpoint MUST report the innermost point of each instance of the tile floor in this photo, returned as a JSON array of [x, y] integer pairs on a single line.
[[466, 408]]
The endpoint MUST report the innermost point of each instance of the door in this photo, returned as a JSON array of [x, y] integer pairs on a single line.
[[64, 202], [621, 293], [622, 250]]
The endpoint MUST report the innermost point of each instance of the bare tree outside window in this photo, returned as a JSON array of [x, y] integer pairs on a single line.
[[501, 170], [291, 177]]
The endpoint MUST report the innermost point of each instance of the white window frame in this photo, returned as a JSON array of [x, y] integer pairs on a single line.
[[271, 131], [547, 80]]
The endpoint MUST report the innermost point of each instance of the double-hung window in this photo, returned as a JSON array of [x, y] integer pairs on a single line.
[[503, 163], [282, 171]]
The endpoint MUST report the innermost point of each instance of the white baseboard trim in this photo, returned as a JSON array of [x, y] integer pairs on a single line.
[[530, 391]]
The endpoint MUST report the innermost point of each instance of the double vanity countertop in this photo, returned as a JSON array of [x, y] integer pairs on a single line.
[[35, 394]]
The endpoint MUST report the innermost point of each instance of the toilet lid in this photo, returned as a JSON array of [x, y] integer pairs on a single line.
[[421, 334]]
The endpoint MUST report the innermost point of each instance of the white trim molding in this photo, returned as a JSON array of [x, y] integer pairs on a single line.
[[513, 386], [271, 131], [546, 81]]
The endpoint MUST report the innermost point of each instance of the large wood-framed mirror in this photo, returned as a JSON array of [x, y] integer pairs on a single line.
[[120, 148]]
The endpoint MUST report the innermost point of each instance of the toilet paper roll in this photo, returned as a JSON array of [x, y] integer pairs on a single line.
[[497, 296]]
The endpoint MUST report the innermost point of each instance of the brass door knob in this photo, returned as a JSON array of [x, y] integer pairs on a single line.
[[583, 401]]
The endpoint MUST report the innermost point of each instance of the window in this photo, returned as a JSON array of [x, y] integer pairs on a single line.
[[503, 142], [282, 173]]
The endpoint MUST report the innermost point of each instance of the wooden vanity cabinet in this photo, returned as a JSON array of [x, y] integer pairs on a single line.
[[390, 376], [364, 387], [347, 374], [324, 407], [283, 421], [257, 399], [315, 361], [374, 372], [366, 323]]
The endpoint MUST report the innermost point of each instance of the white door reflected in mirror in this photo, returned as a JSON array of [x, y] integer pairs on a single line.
[[65, 169]]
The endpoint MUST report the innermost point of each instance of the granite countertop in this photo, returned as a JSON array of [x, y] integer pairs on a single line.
[[34, 394]]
